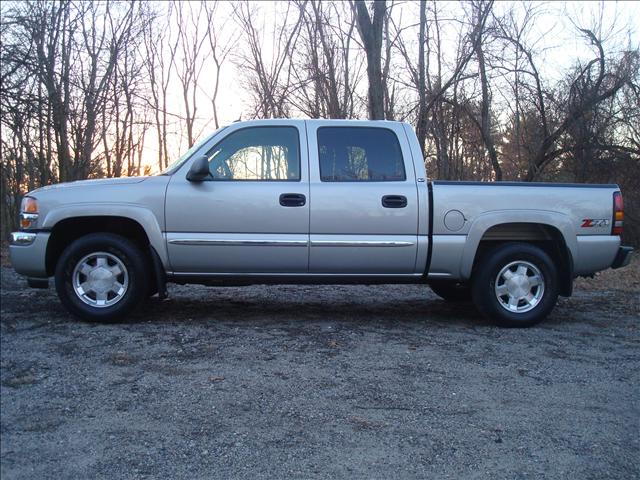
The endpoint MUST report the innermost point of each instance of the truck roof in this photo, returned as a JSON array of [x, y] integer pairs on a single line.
[[276, 121]]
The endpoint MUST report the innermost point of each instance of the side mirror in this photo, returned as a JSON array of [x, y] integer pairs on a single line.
[[199, 170]]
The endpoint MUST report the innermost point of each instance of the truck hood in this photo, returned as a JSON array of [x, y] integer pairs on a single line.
[[102, 182]]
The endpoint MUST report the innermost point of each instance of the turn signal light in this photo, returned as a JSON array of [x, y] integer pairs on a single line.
[[618, 214], [28, 213], [28, 220]]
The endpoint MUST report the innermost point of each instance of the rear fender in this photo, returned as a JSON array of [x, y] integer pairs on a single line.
[[484, 222]]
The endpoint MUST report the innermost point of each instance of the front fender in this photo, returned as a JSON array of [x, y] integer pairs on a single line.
[[484, 222], [142, 215]]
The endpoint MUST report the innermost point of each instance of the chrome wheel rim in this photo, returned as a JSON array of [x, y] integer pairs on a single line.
[[100, 279], [519, 287]]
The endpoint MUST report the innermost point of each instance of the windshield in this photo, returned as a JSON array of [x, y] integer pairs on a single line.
[[176, 164]]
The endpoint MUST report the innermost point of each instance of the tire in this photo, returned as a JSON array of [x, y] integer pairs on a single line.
[[452, 291], [101, 277], [525, 301], [153, 290]]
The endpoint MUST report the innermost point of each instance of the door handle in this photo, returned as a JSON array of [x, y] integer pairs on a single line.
[[394, 201], [293, 200]]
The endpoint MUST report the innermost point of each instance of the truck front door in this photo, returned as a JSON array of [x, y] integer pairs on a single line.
[[252, 214]]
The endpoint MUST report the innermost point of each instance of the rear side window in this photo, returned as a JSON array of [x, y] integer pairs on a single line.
[[359, 154], [257, 153]]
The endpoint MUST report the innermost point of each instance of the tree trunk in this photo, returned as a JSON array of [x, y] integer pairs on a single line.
[[485, 116], [371, 35], [421, 126]]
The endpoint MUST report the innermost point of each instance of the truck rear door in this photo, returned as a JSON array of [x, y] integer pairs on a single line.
[[364, 206]]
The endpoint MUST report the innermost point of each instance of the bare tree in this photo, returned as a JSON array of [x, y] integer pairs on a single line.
[[160, 49], [219, 49], [326, 73], [370, 28], [191, 60], [592, 84], [481, 9], [126, 121], [51, 28], [419, 77], [106, 39], [438, 84], [268, 80]]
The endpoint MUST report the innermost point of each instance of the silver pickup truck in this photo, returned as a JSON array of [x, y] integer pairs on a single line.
[[316, 201]]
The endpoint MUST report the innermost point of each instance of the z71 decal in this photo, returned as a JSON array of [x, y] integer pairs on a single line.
[[590, 222]]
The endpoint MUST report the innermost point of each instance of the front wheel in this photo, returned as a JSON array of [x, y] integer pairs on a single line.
[[101, 277], [515, 284]]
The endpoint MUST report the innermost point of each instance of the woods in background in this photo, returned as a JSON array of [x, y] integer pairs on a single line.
[[89, 88]]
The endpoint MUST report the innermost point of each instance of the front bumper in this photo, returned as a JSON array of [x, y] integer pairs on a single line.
[[28, 251], [623, 257]]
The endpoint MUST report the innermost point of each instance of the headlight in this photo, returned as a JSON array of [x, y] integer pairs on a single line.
[[28, 213], [29, 205]]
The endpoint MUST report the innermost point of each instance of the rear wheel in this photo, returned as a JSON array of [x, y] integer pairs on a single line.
[[452, 291], [515, 284], [101, 277]]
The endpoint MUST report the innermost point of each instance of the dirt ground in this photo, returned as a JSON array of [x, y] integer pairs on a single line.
[[321, 382]]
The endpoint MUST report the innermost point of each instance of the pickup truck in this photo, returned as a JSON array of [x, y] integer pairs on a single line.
[[316, 201]]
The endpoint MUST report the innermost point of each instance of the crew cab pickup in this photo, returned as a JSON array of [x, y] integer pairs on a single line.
[[316, 201]]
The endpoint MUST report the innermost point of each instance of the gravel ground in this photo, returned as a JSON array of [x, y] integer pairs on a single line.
[[319, 382]]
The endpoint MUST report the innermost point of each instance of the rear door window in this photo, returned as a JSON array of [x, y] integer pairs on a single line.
[[359, 154]]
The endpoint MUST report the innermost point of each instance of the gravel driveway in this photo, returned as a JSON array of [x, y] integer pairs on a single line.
[[318, 382]]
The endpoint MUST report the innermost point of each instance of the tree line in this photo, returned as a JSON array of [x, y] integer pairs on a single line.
[[89, 88]]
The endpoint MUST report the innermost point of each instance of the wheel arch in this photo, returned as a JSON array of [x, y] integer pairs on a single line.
[[550, 230], [64, 229]]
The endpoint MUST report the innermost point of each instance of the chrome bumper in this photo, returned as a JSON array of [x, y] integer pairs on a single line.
[[623, 257], [28, 252], [22, 238]]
